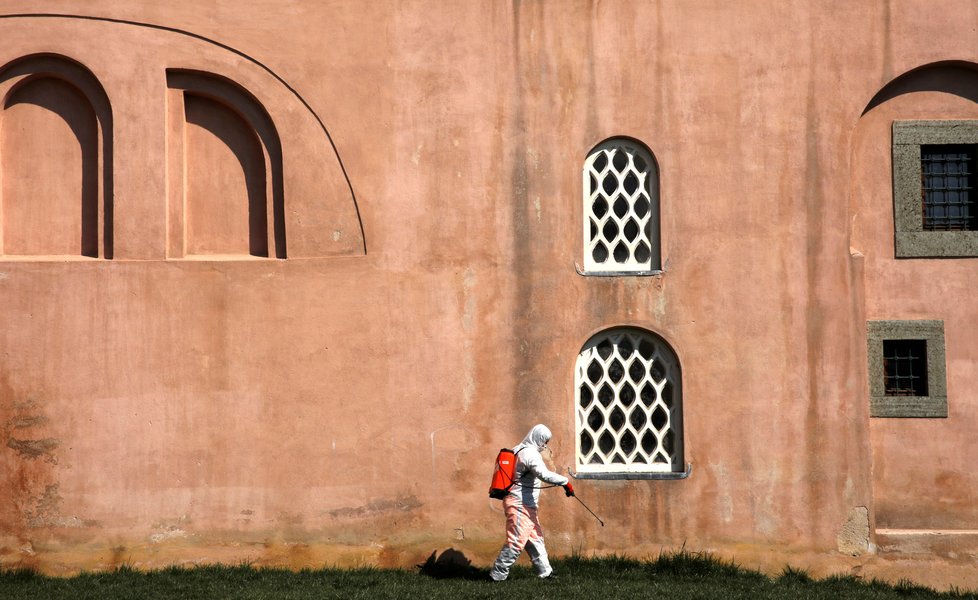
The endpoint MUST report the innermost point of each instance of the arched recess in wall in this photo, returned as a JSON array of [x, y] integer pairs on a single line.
[[321, 216], [56, 159], [224, 166], [914, 227], [928, 109]]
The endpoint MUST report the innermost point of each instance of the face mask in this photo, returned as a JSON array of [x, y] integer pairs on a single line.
[[539, 437]]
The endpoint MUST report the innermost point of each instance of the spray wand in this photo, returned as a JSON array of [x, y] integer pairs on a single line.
[[569, 491], [589, 510]]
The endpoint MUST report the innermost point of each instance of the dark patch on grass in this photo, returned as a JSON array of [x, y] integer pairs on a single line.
[[791, 575], [698, 564], [452, 564], [19, 574]]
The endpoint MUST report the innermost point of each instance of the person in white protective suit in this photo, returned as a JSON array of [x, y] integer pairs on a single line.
[[522, 523]]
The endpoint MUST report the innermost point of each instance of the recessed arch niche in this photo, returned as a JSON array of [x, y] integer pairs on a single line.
[[224, 166], [56, 159], [908, 493]]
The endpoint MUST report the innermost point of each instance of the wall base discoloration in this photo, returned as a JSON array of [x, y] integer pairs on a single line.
[[853, 539], [46, 512], [891, 564]]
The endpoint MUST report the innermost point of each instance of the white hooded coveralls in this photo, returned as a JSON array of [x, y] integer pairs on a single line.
[[522, 523]]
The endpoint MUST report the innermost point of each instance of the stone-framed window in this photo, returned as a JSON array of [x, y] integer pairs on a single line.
[[628, 407], [621, 209], [934, 165], [907, 369]]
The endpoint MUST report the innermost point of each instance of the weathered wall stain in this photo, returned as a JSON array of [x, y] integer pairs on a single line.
[[28, 460], [32, 449], [27, 422], [853, 538], [46, 512], [399, 504]]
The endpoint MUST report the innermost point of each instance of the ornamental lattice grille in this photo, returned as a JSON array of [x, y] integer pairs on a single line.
[[620, 209], [628, 404]]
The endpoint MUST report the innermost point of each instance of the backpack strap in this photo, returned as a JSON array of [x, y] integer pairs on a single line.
[[516, 474]]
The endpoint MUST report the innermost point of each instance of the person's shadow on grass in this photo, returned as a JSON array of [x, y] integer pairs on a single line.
[[452, 564]]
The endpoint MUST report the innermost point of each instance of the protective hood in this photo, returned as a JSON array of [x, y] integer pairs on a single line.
[[537, 438], [530, 466]]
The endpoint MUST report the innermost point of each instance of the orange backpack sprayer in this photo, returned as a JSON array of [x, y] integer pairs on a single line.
[[503, 474]]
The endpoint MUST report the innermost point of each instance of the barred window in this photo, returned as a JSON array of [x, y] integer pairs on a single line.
[[905, 367], [628, 404], [947, 186], [934, 210], [621, 209]]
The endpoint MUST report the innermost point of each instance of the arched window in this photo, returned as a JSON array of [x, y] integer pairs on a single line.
[[628, 404], [621, 209]]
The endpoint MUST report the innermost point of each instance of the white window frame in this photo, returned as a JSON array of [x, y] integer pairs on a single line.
[[662, 353], [647, 191]]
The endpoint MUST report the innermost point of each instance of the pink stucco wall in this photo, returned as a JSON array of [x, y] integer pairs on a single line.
[[344, 404]]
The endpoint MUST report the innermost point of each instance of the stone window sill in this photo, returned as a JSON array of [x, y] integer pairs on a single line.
[[635, 476], [583, 273]]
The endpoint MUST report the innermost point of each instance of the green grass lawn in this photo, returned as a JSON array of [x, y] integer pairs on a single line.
[[677, 576]]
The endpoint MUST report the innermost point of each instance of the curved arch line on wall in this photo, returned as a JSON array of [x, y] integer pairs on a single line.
[[233, 50]]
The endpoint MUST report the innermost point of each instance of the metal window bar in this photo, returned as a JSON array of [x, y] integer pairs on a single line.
[[948, 187], [905, 367]]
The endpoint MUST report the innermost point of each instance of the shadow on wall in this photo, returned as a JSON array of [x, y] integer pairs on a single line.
[[41, 169], [950, 77], [217, 192]]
